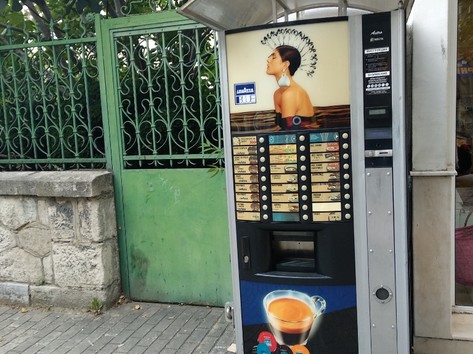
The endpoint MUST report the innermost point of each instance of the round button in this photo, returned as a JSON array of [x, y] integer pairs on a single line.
[[302, 158], [263, 179], [304, 188], [346, 186], [345, 146], [263, 169], [304, 197], [346, 176], [303, 178], [261, 139], [348, 216], [261, 149], [305, 207], [264, 188], [302, 138], [303, 168], [264, 197], [262, 159], [345, 135], [265, 207], [302, 148], [347, 206], [305, 217], [346, 166], [265, 217], [346, 156], [347, 196]]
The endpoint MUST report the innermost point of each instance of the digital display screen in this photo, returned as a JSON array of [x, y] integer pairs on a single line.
[[378, 133], [377, 111]]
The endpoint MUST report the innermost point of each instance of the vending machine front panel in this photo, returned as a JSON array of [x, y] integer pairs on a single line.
[[292, 186]]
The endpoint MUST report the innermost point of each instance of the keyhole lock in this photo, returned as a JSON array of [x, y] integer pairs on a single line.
[[383, 294]]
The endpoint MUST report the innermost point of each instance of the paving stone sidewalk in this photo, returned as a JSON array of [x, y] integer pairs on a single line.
[[153, 328]]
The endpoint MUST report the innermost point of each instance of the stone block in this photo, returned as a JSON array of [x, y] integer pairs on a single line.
[[35, 239], [20, 266], [16, 212], [61, 215], [48, 271], [58, 235], [74, 297], [69, 184], [9, 183], [43, 205], [14, 293], [7, 239], [97, 221], [61, 220], [85, 265]]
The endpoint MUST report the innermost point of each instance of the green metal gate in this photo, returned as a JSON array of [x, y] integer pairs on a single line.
[[162, 118]]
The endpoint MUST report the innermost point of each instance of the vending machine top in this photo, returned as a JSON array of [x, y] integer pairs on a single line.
[[232, 14]]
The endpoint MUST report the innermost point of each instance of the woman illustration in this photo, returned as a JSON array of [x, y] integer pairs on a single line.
[[292, 104]]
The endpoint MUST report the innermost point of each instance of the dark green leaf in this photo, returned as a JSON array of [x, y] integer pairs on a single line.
[[80, 6], [16, 5], [69, 5], [95, 6], [3, 4]]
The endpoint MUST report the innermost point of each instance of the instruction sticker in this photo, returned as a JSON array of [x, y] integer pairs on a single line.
[[377, 73]]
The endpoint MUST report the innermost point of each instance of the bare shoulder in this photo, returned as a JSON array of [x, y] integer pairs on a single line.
[[290, 93], [277, 93]]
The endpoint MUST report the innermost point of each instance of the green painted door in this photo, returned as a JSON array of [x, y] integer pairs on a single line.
[[164, 131]]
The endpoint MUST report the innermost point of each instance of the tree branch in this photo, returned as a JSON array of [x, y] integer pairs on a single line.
[[42, 22]]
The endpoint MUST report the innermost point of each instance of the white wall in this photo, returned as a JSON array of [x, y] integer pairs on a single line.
[[432, 29], [433, 84]]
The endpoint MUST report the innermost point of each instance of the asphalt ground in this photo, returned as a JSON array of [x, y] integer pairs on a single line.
[[130, 327]]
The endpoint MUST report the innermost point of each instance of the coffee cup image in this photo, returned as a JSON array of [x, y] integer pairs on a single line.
[[291, 315]]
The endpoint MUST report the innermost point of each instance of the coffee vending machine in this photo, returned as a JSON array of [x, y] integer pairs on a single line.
[[317, 196]]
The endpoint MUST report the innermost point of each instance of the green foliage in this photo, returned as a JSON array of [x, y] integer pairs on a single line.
[[209, 148], [47, 17], [81, 5], [96, 306], [78, 7]]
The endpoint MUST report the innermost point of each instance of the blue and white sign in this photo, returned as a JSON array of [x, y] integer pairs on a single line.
[[245, 93]]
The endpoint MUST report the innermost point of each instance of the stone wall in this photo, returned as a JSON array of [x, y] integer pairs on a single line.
[[58, 239]]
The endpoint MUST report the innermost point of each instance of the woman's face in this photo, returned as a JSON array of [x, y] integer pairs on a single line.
[[274, 64]]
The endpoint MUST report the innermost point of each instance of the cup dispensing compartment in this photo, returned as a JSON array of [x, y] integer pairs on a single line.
[[302, 252], [293, 251]]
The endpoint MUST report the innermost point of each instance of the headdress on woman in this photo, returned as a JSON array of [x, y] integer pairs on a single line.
[[298, 40]]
